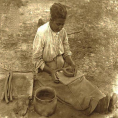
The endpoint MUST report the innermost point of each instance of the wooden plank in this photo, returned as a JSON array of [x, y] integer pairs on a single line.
[[19, 81], [67, 80]]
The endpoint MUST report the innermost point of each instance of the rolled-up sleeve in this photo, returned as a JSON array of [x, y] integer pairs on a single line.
[[66, 45], [38, 46]]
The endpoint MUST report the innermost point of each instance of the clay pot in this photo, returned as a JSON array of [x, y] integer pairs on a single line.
[[45, 101], [68, 71]]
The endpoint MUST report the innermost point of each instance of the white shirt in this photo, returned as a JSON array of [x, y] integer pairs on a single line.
[[48, 44]]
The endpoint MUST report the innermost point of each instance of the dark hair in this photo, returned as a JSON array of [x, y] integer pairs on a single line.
[[58, 10]]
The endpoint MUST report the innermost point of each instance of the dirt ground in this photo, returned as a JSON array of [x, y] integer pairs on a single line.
[[17, 36]]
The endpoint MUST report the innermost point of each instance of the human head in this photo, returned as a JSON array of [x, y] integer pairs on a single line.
[[58, 14], [57, 11]]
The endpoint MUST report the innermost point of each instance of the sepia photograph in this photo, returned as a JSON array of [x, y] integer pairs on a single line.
[[58, 58]]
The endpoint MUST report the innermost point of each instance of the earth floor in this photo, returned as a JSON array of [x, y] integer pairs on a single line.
[[16, 52]]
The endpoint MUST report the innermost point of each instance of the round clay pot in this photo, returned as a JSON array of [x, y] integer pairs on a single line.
[[45, 101]]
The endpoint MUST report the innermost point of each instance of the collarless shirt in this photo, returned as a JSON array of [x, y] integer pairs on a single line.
[[48, 44]]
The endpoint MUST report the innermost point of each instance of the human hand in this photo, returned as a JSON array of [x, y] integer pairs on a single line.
[[74, 68], [54, 76]]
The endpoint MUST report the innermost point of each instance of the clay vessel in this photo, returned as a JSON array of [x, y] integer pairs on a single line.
[[45, 101]]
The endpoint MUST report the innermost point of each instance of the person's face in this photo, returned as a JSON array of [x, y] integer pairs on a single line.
[[57, 24]]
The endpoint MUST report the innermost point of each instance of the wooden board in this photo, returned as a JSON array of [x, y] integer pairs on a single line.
[[22, 84], [67, 80]]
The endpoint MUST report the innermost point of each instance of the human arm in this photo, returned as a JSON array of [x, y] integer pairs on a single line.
[[69, 61], [39, 63], [67, 54], [52, 73], [38, 46]]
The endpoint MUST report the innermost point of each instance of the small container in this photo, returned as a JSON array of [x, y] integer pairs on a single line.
[[45, 101]]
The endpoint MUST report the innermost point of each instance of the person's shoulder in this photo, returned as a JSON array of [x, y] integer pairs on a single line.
[[63, 31], [42, 29]]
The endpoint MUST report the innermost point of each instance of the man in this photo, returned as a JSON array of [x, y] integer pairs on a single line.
[[51, 51]]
